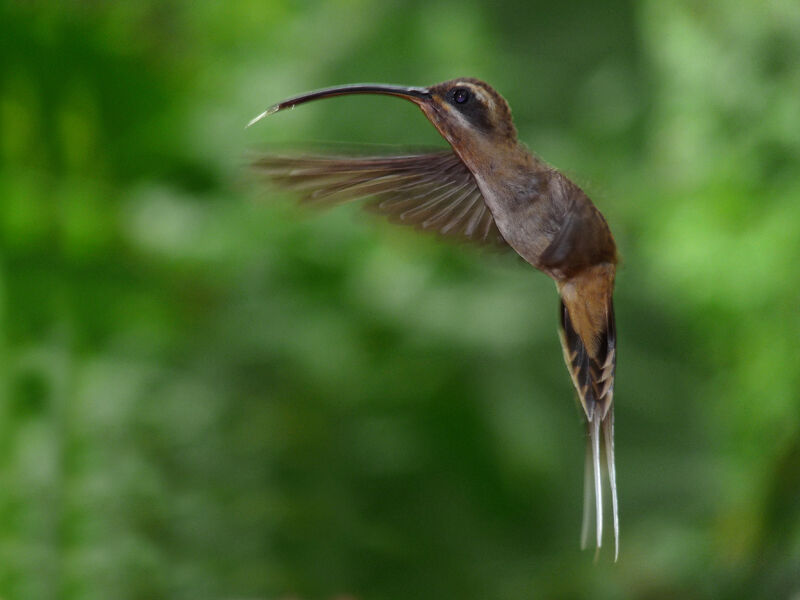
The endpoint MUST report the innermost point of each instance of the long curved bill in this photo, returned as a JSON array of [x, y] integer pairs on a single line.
[[415, 94]]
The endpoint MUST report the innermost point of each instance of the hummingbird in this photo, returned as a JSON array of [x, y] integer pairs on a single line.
[[489, 189]]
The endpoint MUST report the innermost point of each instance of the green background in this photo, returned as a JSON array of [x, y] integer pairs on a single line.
[[208, 393]]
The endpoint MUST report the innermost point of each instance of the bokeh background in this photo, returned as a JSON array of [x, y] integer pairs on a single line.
[[208, 393]]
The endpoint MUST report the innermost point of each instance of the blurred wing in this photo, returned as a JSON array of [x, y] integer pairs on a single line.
[[434, 192]]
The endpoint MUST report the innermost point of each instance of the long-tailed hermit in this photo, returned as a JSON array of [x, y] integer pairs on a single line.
[[490, 189]]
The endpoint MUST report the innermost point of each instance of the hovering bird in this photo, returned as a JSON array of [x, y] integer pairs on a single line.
[[491, 190]]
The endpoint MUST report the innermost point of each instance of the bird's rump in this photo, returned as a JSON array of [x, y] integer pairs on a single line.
[[432, 191]]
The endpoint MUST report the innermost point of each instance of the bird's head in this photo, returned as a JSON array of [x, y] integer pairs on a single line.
[[469, 111]]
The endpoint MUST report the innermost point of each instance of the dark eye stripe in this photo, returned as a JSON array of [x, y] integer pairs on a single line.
[[470, 106]]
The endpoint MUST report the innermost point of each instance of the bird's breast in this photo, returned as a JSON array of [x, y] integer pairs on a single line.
[[526, 218]]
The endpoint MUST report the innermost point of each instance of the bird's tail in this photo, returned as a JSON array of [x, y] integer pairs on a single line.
[[588, 338]]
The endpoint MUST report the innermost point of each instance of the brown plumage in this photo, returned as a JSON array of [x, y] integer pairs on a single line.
[[491, 190]]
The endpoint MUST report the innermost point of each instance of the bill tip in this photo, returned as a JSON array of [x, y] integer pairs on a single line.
[[271, 110]]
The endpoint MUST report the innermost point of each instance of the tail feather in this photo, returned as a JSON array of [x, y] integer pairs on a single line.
[[588, 337], [608, 433], [598, 482], [588, 490], [593, 487]]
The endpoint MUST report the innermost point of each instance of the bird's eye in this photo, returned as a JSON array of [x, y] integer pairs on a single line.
[[460, 95]]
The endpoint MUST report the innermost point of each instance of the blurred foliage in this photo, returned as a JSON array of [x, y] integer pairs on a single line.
[[207, 394]]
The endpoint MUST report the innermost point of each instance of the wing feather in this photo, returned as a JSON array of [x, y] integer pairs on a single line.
[[434, 191]]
